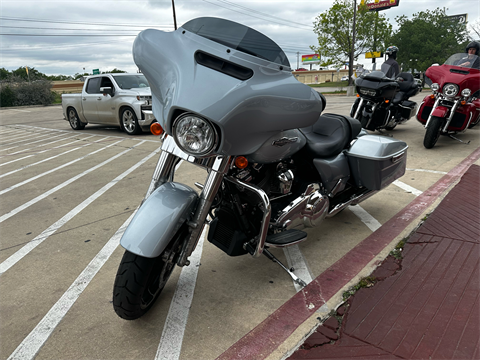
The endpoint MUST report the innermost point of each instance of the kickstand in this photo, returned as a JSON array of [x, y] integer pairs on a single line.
[[454, 138], [295, 278]]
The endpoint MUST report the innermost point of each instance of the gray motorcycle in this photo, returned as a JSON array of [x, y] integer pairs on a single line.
[[227, 101]]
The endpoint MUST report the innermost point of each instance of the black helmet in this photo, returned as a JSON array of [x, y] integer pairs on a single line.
[[475, 45], [392, 51]]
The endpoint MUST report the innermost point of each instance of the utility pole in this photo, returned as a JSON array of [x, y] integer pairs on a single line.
[[174, 16], [298, 55], [352, 52]]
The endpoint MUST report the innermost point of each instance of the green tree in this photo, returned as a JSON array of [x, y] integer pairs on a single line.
[[334, 29], [4, 73], [428, 37], [33, 73]]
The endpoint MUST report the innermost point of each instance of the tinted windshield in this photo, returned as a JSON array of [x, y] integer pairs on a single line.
[[464, 60], [239, 37], [131, 81]]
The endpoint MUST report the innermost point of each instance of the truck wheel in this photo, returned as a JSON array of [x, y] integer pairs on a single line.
[[433, 132], [140, 280], [130, 122], [74, 121]]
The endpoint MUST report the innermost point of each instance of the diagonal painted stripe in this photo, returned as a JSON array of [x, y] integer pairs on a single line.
[[43, 151], [33, 142], [62, 185], [29, 347], [407, 188], [296, 260], [17, 256], [176, 322], [366, 218], [55, 169], [429, 171]]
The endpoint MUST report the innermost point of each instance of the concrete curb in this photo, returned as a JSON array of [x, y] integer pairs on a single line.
[[278, 335]]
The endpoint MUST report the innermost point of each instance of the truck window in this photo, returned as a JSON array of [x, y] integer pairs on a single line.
[[127, 82], [93, 86], [106, 82]]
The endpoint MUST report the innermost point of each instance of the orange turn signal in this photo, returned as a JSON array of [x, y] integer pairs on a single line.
[[358, 95], [156, 129], [387, 101], [241, 162], [432, 96], [463, 102]]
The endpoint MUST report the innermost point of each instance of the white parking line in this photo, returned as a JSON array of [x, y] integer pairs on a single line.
[[41, 137], [372, 223], [30, 346], [17, 256], [296, 260], [429, 171], [45, 144], [176, 322], [20, 110], [62, 185], [43, 151], [55, 169], [42, 161], [407, 188]]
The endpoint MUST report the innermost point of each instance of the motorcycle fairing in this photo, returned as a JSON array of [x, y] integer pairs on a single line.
[[158, 219], [440, 111], [246, 112]]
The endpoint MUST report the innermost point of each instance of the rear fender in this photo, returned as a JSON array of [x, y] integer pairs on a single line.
[[158, 219]]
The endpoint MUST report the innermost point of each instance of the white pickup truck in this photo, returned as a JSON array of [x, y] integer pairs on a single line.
[[119, 99]]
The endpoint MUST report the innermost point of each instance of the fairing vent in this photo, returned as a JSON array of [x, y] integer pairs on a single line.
[[223, 66], [459, 71]]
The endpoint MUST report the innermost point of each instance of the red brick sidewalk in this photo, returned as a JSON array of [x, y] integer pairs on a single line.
[[423, 306]]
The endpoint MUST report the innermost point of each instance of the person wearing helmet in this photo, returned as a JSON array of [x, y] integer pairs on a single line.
[[390, 67], [471, 60]]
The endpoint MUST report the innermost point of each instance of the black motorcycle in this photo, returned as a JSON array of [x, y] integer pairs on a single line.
[[382, 102]]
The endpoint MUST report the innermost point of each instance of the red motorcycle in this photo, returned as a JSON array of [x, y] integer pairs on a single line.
[[454, 105]]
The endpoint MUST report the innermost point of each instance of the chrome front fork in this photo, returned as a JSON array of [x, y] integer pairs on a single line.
[[216, 166]]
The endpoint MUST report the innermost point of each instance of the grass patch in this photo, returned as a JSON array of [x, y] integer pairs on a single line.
[[366, 282], [331, 84], [397, 252]]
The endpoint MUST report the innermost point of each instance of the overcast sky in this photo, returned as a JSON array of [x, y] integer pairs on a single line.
[[99, 34]]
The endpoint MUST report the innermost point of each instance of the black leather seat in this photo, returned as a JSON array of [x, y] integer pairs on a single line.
[[330, 134], [407, 88]]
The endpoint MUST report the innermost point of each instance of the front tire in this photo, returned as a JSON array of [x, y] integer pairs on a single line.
[[74, 121], [433, 132], [130, 122], [140, 280]]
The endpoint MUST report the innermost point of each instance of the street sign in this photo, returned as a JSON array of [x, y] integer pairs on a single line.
[[378, 5], [96, 72], [311, 59], [373, 54], [460, 18]]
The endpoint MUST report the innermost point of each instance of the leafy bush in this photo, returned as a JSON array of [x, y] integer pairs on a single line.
[[7, 96], [17, 92]]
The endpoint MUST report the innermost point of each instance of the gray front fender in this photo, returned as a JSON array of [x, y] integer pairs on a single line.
[[158, 219]]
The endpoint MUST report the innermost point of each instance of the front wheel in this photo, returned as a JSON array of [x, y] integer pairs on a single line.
[[140, 280], [130, 122], [433, 132]]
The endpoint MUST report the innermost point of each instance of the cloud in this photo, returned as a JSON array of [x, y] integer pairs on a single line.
[[108, 28]]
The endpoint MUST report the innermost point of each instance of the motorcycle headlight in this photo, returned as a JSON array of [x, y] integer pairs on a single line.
[[194, 135], [466, 92], [450, 90], [435, 87], [369, 92]]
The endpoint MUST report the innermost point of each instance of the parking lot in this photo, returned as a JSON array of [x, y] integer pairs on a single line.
[[66, 197]]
